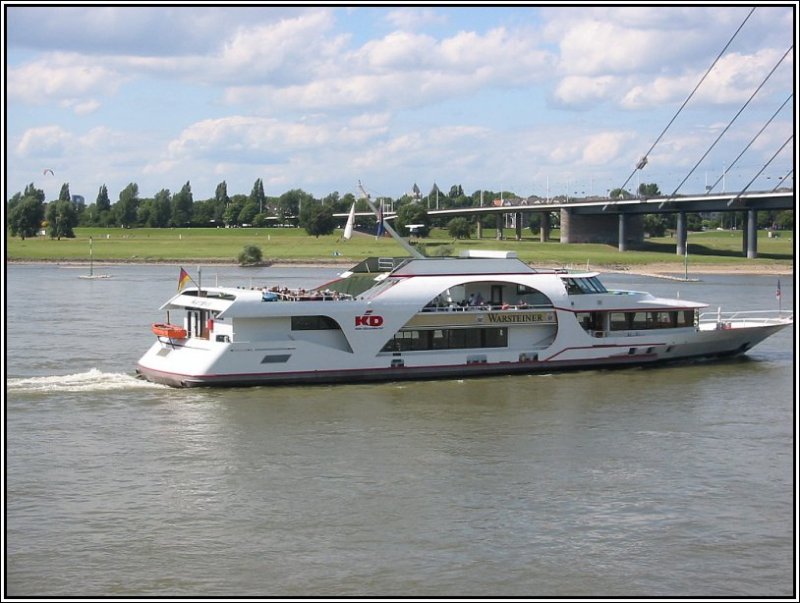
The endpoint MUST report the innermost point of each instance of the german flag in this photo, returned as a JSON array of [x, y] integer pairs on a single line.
[[183, 279]]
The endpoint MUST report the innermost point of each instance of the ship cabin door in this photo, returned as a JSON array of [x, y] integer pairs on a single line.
[[497, 295], [198, 323]]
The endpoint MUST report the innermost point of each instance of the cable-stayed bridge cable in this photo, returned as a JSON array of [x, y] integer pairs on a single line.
[[789, 173], [752, 140], [730, 123], [643, 160], [741, 192]]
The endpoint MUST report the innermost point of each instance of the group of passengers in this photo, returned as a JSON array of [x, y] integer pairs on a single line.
[[475, 301], [287, 294]]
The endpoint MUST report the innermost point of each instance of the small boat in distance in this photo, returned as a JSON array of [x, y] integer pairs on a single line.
[[91, 274], [390, 319]]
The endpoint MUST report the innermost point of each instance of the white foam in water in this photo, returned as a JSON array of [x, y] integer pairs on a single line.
[[92, 380]]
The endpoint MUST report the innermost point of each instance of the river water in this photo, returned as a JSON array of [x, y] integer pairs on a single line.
[[675, 481]]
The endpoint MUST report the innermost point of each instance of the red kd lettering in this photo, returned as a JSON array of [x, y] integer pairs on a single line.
[[369, 320]]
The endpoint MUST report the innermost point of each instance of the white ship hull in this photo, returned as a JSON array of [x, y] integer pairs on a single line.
[[434, 319]]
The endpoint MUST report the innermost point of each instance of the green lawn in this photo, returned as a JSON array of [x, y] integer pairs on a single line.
[[285, 244]]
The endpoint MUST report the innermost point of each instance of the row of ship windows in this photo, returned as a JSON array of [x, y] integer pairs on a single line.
[[626, 321], [483, 337], [578, 286], [446, 339], [409, 340]]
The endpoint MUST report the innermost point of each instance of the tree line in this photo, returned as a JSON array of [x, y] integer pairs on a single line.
[[28, 213]]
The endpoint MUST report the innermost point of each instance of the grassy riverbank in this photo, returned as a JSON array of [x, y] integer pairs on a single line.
[[711, 250]]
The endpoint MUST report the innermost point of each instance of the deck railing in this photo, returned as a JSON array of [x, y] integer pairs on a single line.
[[753, 317], [455, 307]]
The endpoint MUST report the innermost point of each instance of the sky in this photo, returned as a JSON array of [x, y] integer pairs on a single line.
[[535, 100]]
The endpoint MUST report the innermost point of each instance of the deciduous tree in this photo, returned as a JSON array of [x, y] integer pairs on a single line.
[[26, 212], [127, 206], [317, 219], [61, 218], [182, 206]]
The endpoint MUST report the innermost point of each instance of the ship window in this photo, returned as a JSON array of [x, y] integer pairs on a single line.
[[314, 323], [533, 297], [664, 320], [275, 358], [409, 341], [572, 286], [439, 340], [639, 320], [457, 338], [495, 338], [595, 284], [619, 321], [580, 286]]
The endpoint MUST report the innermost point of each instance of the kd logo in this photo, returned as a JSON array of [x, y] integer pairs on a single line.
[[369, 320]]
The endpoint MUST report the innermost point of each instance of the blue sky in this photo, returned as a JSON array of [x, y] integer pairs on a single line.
[[535, 100]]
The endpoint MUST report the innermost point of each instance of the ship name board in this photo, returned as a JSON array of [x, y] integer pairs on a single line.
[[520, 318]]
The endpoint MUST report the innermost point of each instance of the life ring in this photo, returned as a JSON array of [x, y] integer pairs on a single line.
[[171, 331]]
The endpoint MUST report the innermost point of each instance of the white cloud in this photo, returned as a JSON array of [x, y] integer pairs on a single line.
[[658, 55], [733, 80], [121, 30], [82, 107], [96, 145], [503, 56], [624, 40], [268, 140], [44, 141], [595, 48], [735, 77], [413, 18], [581, 91], [290, 48], [398, 50], [61, 78], [403, 70], [601, 147]]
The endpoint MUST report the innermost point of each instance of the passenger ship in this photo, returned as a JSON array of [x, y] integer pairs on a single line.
[[420, 318]]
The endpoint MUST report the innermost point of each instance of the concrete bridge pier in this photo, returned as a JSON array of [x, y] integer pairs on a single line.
[[622, 246], [499, 227], [681, 234], [566, 226], [744, 234], [620, 229], [750, 235], [544, 227], [518, 225], [479, 227]]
